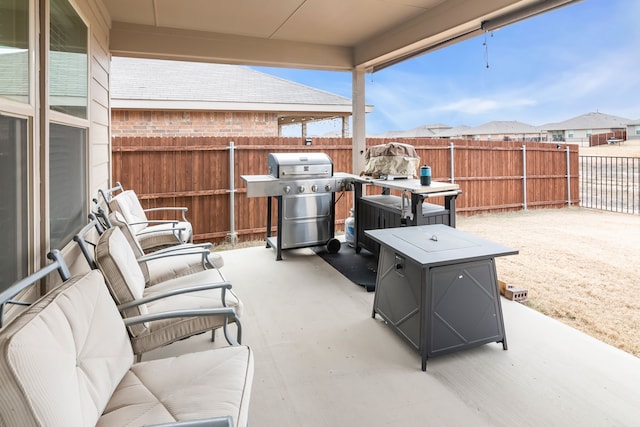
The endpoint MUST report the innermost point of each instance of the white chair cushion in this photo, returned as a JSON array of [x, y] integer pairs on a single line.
[[128, 204], [116, 260], [118, 220], [162, 235], [156, 271], [126, 283], [67, 361], [208, 384], [63, 357]]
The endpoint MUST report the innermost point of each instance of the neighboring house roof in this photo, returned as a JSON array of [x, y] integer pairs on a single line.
[[420, 131], [159, 84], [589, 121], [432, 130], [585, 121], [503, 127], [457, 131]]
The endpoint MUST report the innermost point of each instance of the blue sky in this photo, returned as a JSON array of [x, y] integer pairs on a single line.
[[558, 65]]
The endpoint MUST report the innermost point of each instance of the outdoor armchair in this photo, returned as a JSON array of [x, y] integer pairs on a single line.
[[151, 234], [157, 266], [213, 259], [126, 283], [67, 361]]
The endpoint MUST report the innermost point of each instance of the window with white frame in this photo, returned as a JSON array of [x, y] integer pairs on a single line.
[[14, 214], [68, 66], [68, 95], [67, 182], [14, 140], [14, 50]]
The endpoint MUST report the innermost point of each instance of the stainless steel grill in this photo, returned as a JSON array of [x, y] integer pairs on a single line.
[[304, 186]]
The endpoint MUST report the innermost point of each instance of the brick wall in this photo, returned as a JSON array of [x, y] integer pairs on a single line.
[[193, 123]]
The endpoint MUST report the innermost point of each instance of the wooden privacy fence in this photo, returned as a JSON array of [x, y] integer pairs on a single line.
[[494, 176], [606, 138]]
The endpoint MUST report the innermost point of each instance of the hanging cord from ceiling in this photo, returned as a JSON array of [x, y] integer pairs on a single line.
[[485, 44]]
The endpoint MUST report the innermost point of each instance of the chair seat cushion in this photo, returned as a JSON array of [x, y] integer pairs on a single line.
[[162, 332], [167, 268], [202, 299], [207, 384], [63, 357], [150, 235], [163, 235]]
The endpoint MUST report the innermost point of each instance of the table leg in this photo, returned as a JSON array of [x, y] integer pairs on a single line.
[[279, 236], [268, 219]]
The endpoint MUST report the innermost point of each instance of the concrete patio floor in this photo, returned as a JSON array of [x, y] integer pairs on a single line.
[[321, 360]]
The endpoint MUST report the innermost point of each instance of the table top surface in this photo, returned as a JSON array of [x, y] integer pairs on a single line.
[[412, 185], [438, 244]]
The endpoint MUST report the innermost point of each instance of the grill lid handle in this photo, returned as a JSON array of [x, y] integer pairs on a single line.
[[327, 173]]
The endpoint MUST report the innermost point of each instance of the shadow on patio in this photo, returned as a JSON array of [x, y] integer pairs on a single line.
[[321, 360]]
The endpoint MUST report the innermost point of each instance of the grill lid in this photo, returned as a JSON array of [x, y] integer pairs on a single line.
[[299, 165]]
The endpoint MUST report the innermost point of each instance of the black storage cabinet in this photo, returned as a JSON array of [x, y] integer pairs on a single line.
[[389, 211]]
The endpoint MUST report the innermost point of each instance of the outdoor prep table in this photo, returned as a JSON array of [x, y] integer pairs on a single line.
[[437, 288], [389, 211]]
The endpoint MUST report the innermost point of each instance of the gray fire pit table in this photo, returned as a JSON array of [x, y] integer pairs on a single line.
[[437, 288]]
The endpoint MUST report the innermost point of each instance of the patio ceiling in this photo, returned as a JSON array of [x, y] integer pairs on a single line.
[[317, 34]]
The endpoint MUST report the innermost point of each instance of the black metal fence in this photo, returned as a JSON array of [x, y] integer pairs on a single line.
[[610, 183]]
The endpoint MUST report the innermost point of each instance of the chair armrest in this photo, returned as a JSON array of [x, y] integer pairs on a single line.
[[178, 252], [197, 288], [182, 209], [227, 312], [204, 252], [172, 229], [156, 221], [205, 422], [174, 208], [206, 245]]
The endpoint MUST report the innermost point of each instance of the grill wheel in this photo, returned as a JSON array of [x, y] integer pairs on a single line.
[[333, 246]]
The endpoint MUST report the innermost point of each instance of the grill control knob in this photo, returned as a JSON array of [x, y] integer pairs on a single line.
[[314, 188], [301, 189], [327, 187], [286, 189]]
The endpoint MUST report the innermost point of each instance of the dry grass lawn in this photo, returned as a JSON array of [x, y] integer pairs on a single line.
[[579, 266]]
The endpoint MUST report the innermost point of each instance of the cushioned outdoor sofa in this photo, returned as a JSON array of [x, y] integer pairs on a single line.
[[67, 360]]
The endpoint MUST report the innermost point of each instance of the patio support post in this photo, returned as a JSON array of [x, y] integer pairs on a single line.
[[358, 114], [232, 237], [524, 177]]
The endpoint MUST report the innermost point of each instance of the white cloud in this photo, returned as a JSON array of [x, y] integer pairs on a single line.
[[482, 105]]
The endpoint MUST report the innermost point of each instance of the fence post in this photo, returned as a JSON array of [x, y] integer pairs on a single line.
[[568, 178], [232, 236], [524, 177], [452, 162]]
